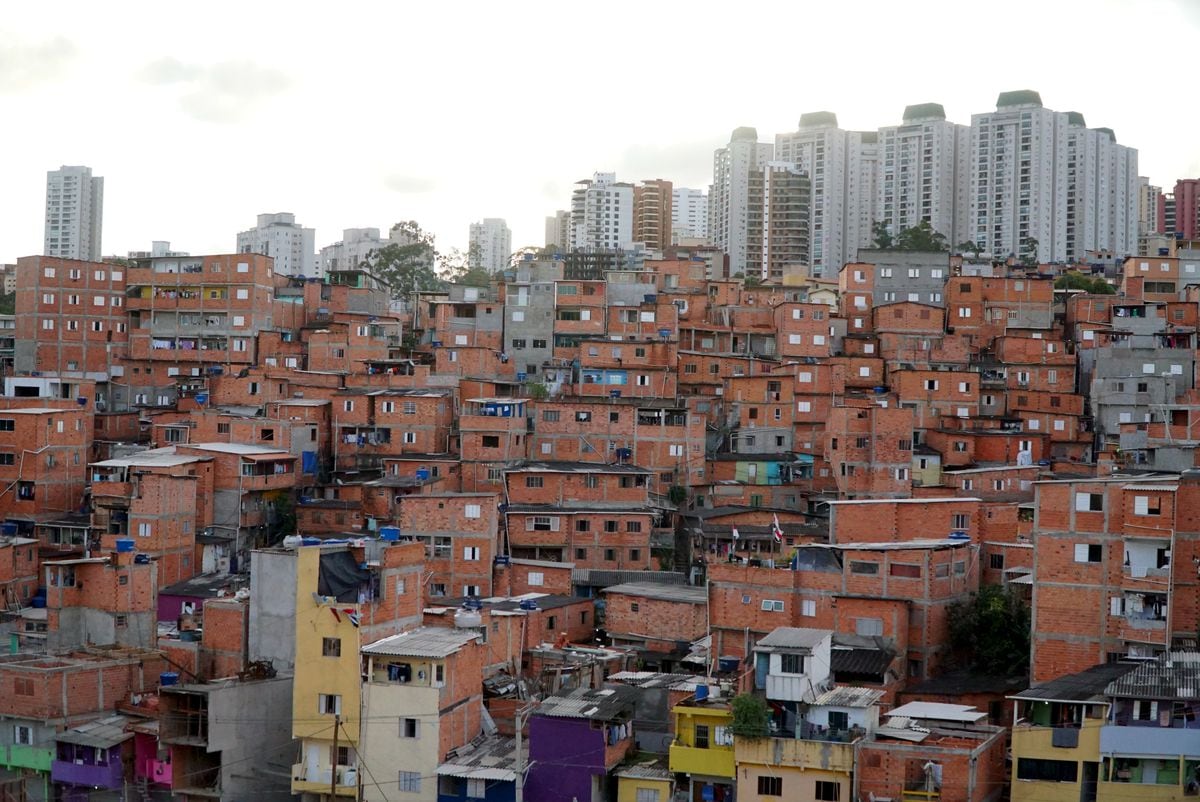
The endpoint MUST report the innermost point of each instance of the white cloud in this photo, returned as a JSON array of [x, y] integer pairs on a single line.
[[225, 92], [24, 66]]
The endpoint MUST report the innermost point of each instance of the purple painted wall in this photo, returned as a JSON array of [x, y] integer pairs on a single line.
[[566, 753], [169, 607], [102, 768]]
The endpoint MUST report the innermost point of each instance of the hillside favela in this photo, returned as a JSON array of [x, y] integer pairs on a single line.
[[862, 470]]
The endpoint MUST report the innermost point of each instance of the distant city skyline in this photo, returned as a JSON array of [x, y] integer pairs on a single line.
[[192, 169]]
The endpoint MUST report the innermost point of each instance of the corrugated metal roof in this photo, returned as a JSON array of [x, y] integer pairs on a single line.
[[869, 662], [589, 703], [1174, 676], [653, 590], [423, 642], [646, 771], [849, 696], [937, 711], [494, 758], [103, 733], [1084, 686], [795, 638]]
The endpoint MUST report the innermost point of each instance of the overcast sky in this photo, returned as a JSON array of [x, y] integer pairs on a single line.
[[201, 116]]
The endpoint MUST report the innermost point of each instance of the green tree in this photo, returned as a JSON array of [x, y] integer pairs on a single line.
[[752, 281], [750, 716], [973, 248], [989, 633], [1029, 252], [407, 264], [921, 237], [1074, 280], [8, 304], [881, 237]]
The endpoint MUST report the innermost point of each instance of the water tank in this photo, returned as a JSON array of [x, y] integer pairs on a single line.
[[82, 401], [8, 529], [168, 678], [422, 474], [125, 545], [389, 533], [142, 559], [502, 559], [201, 398], [468, 619], [701, 693], [959, 536], [522, 375], [38, 602], [614, 393], [727, 664], [292, 541], [527, 604]]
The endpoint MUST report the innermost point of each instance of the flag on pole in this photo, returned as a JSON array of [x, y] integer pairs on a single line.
[[776, 530]]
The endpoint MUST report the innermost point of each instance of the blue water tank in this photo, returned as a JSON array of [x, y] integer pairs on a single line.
[[959, 536], [423, 474], [502, 559], [38, 602], [141, 559], [701, 693], [727, 664], [82, 401], [168, 678], [614, 393], [8, 528], [126, 545], [201, 398], [391, 533], [522, 375]]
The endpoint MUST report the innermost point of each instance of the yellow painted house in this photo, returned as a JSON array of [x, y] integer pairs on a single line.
[[1056, 736], [647, 782], [703, 749], [327, 687]]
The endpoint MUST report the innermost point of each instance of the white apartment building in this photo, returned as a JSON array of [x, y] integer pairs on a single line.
[[1148, 196], [353, 249], [279, 236], [923, 173], [1042, 175], [1102, 192], [491, 244], [558, 230], [689, 214], [735, 168], [843, 168], [74, 213], [601, 214]]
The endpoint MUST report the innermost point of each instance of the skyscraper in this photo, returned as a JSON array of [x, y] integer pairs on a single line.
[[1041, 177], [780, 243], [923, 173], [74, 213], [842, 166], [652, 213], [292, 246], [601, 214], [1187, 208], [558, 230], [729, 199], [491, 244], [689, 214]]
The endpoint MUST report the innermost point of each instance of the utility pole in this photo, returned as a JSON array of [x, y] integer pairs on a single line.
[[521, 764], [337, 726]]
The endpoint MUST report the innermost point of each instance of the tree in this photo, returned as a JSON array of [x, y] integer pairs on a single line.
[[463, 268], [989, 633], [752, 281], [8, 304], [1029, 252], [881, 237], [750, 716], [969, 247], [921, 237], [407, 263], [1074, 280]]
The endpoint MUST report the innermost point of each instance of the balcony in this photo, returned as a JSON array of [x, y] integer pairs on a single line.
[[918, 793], [103, 775], [317, 780], [30, 757], [800, 754], [1150, 740], [716, 761]]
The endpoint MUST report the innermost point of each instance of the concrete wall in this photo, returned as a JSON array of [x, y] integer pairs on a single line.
[[273, 607]]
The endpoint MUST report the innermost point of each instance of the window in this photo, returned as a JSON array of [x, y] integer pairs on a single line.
[[410, 438], [868, 627], [791, 663], [329, 704], [582, 417], [1063, 771], [491, 441], [905, 570], [633, 526], [472, 511], [471, 553], [827, 791], [960, 520], [647, 795], [996, 562], [410, 782], [550, 416], [331, 647], [1089, 502], [864, 568], [347, 406], [410, 728], [536, 579], [144, 530], [533, 481], [243, 294], [772, 605], [701, 736], [610, 555], [1088, 552], [1147, 505], [22, 735], [770, 786]]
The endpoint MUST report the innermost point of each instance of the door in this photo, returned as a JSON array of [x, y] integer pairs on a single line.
[[1087, 789]]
